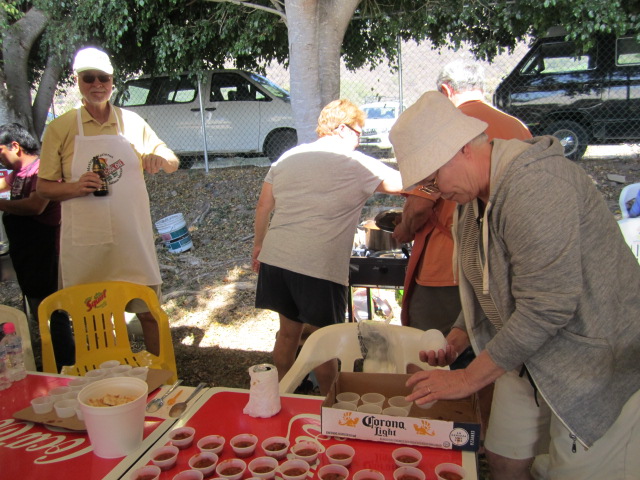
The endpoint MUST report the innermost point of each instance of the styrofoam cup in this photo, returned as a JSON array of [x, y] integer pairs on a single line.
[[189, 475], [370, 408], [269, 447], [400, 401], [206, 444], [296, 465], [43, 404], [114, 431], [146, 472], [452, 468], [406, 457], [374, 398], [204, 462], [340, 454], [396, 411], [345, 406], [65, 408], [139, 372], [333, 469], [109, 364], [235, 463], [350, 397], [268, 464], [58, 393], [368, 473], [414, 472]]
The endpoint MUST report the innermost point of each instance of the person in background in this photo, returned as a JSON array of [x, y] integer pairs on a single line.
[[32, 225], [553, 325], [316, 192], [104, 238], [431, 298]]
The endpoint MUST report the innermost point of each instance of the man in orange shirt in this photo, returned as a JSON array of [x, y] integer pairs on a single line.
[[431, 298]]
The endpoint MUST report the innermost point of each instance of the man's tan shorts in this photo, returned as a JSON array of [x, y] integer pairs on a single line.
[[139, 306], [516, 421]]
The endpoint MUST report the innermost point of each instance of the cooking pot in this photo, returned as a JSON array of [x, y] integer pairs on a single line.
[[377, 239]]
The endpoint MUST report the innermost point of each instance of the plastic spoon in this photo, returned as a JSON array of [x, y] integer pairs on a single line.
[[179, 408], [156, 404]]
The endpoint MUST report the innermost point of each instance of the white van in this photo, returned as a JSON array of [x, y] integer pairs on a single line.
[[380, 118], [244, 113]]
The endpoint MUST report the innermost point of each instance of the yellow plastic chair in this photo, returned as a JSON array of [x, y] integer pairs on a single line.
[[342, 341], [99, 327], [19, 319]]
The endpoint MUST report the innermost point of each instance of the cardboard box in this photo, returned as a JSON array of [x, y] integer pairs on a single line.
[[448, 424]]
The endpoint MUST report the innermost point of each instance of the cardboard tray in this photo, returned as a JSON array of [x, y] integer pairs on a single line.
[[155, 378], [448, 424]]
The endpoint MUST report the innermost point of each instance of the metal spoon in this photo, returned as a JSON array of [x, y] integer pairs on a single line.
[[179, 408], [156, 404]]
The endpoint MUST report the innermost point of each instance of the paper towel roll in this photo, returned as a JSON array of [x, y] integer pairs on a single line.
[[264, 394]]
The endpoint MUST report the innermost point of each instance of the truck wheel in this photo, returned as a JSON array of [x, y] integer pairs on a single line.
[[573, 137], [279, 142]]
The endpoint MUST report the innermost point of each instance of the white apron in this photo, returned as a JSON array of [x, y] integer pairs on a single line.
[[108, 238]]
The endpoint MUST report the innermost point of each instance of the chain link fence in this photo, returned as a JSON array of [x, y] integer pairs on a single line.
[[584, 99]]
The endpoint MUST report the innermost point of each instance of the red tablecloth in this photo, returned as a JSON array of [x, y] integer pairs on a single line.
[[29, 450], [299, 419]]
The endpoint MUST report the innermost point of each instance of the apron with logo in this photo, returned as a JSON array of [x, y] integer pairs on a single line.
[[108, 238]]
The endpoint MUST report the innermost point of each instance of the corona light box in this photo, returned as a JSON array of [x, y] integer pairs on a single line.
[[448, 424]]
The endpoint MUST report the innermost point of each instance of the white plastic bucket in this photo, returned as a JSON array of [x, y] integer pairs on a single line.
[[114, 431], [174, 233]]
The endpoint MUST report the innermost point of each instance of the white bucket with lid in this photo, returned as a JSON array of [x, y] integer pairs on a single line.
[[174, 233]]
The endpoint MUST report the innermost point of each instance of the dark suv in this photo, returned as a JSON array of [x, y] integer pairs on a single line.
[[593, 98]]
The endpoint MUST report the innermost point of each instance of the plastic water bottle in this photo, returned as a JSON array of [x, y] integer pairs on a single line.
[[5, 382], [13, 346]]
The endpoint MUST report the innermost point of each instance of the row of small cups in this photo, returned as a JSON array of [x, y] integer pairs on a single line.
[[290, 469], [64, 399], [373, 403]]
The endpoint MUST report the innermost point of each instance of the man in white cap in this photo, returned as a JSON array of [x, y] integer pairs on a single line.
[[108, 237], [551, 322]]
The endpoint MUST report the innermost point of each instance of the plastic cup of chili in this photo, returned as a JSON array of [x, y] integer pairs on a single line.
[[276, 447]]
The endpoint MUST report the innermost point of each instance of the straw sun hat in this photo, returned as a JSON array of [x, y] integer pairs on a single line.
[[429, 134]]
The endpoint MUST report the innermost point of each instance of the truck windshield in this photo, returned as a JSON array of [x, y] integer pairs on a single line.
[[275, 90]]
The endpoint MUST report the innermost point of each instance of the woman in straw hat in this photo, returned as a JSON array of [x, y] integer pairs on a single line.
[[550, 321]]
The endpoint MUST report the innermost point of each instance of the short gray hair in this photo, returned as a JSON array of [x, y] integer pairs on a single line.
[[462, 76]]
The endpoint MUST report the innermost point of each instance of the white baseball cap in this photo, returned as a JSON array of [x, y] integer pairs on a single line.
[[91, 58]]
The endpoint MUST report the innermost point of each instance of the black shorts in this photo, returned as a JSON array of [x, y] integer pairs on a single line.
[[300, 297]]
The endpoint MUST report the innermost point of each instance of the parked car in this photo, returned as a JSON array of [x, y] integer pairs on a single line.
[[244, 113], [380, 118], [588, 98]]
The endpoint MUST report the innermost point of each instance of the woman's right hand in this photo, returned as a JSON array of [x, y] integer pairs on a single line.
[[457, 342]]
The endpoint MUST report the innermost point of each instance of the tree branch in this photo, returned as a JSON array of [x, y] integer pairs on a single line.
[[276, 10]]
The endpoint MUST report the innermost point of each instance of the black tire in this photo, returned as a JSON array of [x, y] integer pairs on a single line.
[[573, 137], [279, 142], [187, 161]]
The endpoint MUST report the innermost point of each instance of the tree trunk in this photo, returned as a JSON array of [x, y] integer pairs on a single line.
[[17, 43], [316, 29]]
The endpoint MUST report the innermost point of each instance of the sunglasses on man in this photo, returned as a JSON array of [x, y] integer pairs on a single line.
[[90, 78]]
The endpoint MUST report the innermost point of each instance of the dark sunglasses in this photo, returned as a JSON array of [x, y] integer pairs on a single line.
[[90, 78], [353, 130]]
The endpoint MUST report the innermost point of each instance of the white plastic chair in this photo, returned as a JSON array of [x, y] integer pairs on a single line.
[[627, 194], [19, 319], [341, 341]]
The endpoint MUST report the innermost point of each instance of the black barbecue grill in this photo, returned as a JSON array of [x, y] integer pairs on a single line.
[[380, 270]]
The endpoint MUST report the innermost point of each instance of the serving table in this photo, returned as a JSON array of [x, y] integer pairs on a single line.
[[33, 450], [219, 411]]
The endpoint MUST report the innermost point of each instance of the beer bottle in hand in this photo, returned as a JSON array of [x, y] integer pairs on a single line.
[[98, 167]]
